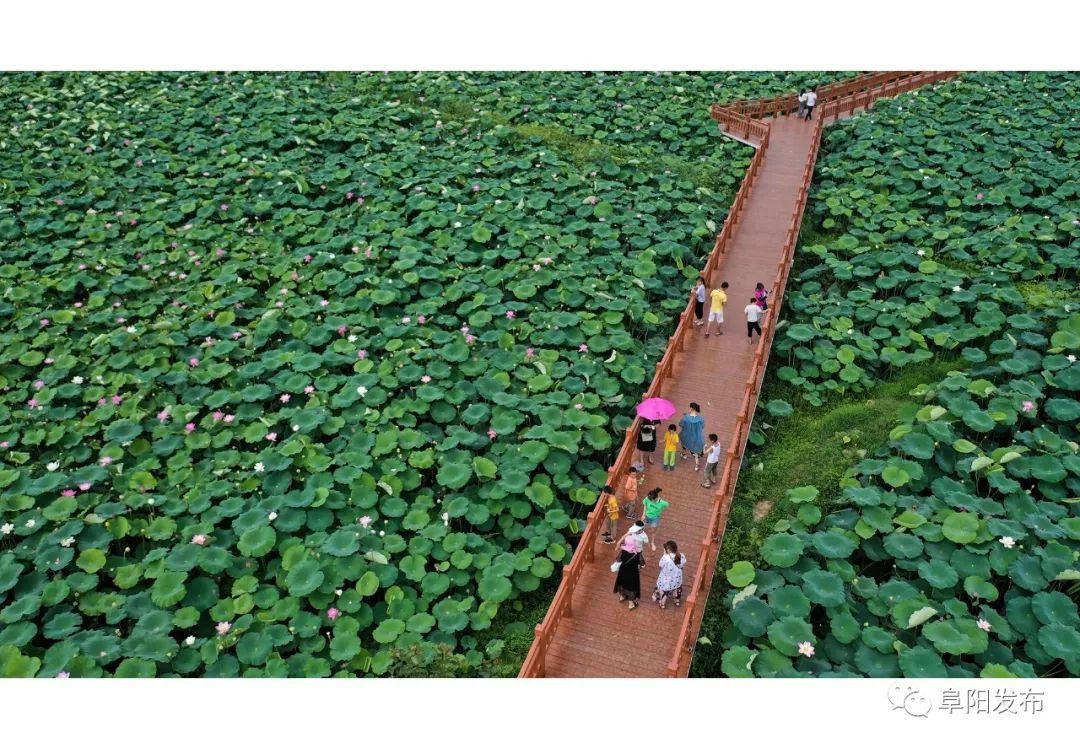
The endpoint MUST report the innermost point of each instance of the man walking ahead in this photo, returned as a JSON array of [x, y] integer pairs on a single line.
[[811, 100]]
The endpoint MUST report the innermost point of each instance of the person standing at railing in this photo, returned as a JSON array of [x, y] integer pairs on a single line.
[[761, 296], [811, 102], [611, 507], [699, 302], [630, 492], [646, 440], [754, 313]]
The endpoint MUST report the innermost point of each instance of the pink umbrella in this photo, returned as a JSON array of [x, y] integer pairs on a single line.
[[656, 409]]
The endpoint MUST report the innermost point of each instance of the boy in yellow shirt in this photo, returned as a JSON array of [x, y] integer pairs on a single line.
[[671, 444], [716, 309]]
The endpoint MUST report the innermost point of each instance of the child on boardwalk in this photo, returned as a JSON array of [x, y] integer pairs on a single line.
[[671, 445], [716, 309], [699, 301], [761, 297], [692, 438], [712, 461], [653, 507], [611, 507], [669, 581], [754, 313], [630, 490]]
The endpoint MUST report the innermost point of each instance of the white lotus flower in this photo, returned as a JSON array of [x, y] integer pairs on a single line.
[[67, 541], [339, 592], [920, 253], [956, 288], [295, 428], [6, 528], [352, 339], [189, 640], [77, 380], [272, 516], [1071, 357], [362, 391], [130, 328], [53, 466], [1007, 541], [258, 468], [31, 523]]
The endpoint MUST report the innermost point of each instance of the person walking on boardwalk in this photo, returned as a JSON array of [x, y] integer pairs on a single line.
[[712, 461], [671, 445], [646, 439], [669, 581], [653, 507], [761, 296], [811, 102], [802, 105], [716, 309], [692, 438], [630, 492], [628, 566], [754, 313], [611, 507], [699, 302]]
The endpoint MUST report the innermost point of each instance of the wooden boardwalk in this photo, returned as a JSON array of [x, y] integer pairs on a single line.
[[587, 631], [604, 638]]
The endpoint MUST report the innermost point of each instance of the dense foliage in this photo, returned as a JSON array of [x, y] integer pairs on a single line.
[[301, 374]]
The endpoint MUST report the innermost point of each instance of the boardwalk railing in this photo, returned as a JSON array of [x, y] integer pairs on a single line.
[[856, 93]]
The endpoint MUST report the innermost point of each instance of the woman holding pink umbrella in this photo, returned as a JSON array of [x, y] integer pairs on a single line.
[[651, 411]]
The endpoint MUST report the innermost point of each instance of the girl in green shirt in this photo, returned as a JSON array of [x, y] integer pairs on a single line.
[[654, 506]]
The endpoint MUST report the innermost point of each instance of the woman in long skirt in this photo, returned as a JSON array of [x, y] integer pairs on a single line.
[[628, 576], [692, 438], [646, 439]]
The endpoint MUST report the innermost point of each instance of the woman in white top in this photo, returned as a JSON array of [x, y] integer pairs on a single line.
[[669, 581]]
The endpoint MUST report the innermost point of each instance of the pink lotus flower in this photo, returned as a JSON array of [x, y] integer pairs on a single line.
[[979, 196], [285, 398], [229, 418], [223, 628], [1028, 406], [117, 400], [421, 319], [323, 303], [295, 276], [38, 384], [138, 162], [332, 613], [583, 348], [198, 539], [272, 437], [469, 338], [217, 415], [361, 354], [67, 493], [367, 252], [530, 353], [343, 330], [492, 434], [224, 206], [44, 322], [85, 486], [805, 648], [220, 252], [983, 625], [309, 389], [193, 361], [5, 444], [33, 403], [163, 416], [106, 460], [101, 401], [509, 314], [63, 675], [190, 427], [48, 360], [365, 521], [59, 201], [591, 200], [425, 379], [476, 188], [359, 201], [237, 334], [464, 328]]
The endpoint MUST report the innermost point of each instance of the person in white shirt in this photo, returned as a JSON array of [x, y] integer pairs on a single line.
[[802, 105], [712, 461], [754, 313], [811, 100]]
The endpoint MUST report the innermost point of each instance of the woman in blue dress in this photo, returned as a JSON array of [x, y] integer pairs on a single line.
[[692, 436]]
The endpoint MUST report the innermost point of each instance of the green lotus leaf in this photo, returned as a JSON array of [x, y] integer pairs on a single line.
[[960, 527], [782, 549], [304, 578], [752, 617], [921, 662], [736, 662], [823, 587], [740, 574], [833, 544], [785, 634]]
